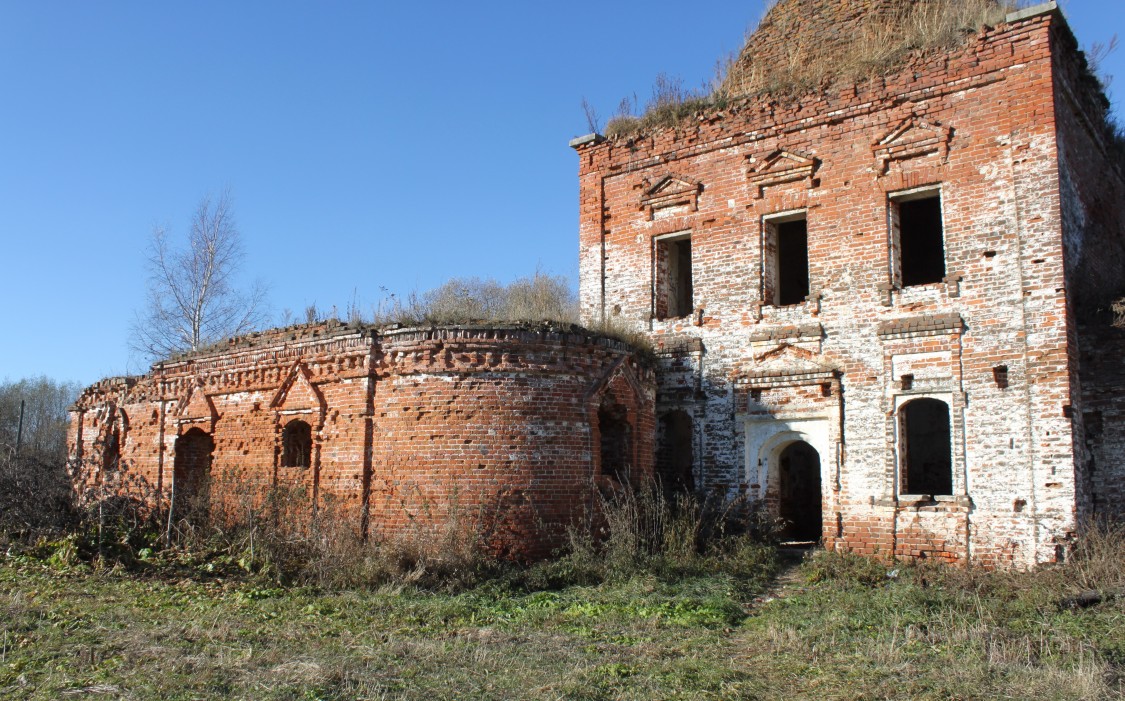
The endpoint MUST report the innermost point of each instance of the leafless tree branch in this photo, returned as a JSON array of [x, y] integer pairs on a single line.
[[193, 299]]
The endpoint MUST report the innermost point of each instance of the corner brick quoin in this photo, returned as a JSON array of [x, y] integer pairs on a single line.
[[879, 313]]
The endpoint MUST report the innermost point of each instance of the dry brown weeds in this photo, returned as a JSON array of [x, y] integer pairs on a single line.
[[880, 43]]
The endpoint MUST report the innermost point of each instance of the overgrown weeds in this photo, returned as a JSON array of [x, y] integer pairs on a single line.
[[857, 630], [1118, 309], [281, 533], [646, 532], [278, 534], [538, 297], [36, 497], [879, 42]]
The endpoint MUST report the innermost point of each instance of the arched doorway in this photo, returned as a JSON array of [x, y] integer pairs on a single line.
[[192, 470], [675, 458], [798, 491]]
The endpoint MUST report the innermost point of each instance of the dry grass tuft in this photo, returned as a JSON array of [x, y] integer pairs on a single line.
[[645, 531], [880, 42], [1118, 309], [539, 297], [811, 57], [280, 533], [535, 299]]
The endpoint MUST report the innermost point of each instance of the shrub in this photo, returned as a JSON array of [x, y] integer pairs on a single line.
[[539, 297], [845, 568], [643, 531], [1098, 559]]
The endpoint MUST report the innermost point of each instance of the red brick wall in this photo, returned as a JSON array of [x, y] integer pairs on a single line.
[[980, 125], [414, 431]]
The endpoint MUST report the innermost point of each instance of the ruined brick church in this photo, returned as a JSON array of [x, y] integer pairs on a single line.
[[878, 310]]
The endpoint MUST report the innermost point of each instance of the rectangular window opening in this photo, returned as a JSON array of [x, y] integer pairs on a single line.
[[918, 238], [926, 447], [786, 258], [674, 278]]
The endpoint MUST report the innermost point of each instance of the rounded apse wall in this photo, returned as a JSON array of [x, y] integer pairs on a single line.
[[492, 433]]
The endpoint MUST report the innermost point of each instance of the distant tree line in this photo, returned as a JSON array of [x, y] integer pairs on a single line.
[[34, 484]]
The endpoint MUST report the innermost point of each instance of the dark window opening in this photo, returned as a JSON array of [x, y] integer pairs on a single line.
[[799, 496], [926, 448], [907, 382], [919, 237], [616, 440], [296, 444], [111, 453], [192, 471], [1000, 376], [792, 262], [675, 293], [674, 459], [1095, 424]]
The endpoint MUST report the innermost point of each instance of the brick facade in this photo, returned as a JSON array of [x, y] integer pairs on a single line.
[[875, 310], [497, 428], [1001, 144]]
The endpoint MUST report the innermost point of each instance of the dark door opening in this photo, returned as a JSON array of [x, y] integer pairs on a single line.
[[675, 297], [799, 492], [674, 460], [192, 471]]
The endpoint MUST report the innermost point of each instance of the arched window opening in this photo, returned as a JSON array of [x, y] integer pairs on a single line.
[[926, 448], [111, 443], [616, 444], [799, 492], [296, 444], [675, 458], [111, 449], [192, 469]]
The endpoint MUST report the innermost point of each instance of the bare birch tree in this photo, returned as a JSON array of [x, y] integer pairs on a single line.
[[193, 299]]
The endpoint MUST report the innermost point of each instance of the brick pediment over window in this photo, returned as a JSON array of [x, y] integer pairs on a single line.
[[913, 137], [671, 191], [786, 362], [299, 394], [781, 166]]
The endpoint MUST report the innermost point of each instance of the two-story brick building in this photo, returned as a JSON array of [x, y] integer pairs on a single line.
[[878, 305], [871, 298]]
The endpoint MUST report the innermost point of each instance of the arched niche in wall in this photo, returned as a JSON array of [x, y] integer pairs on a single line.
[[299, 413], [616, 405], [193, 454]]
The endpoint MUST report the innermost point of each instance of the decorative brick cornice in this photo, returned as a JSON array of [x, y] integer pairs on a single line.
[[925, 325], [794, 331], [677, 344]]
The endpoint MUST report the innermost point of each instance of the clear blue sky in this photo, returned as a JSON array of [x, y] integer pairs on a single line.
[[366, 145]]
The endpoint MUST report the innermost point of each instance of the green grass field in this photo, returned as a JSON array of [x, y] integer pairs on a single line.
[[832, 627]]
